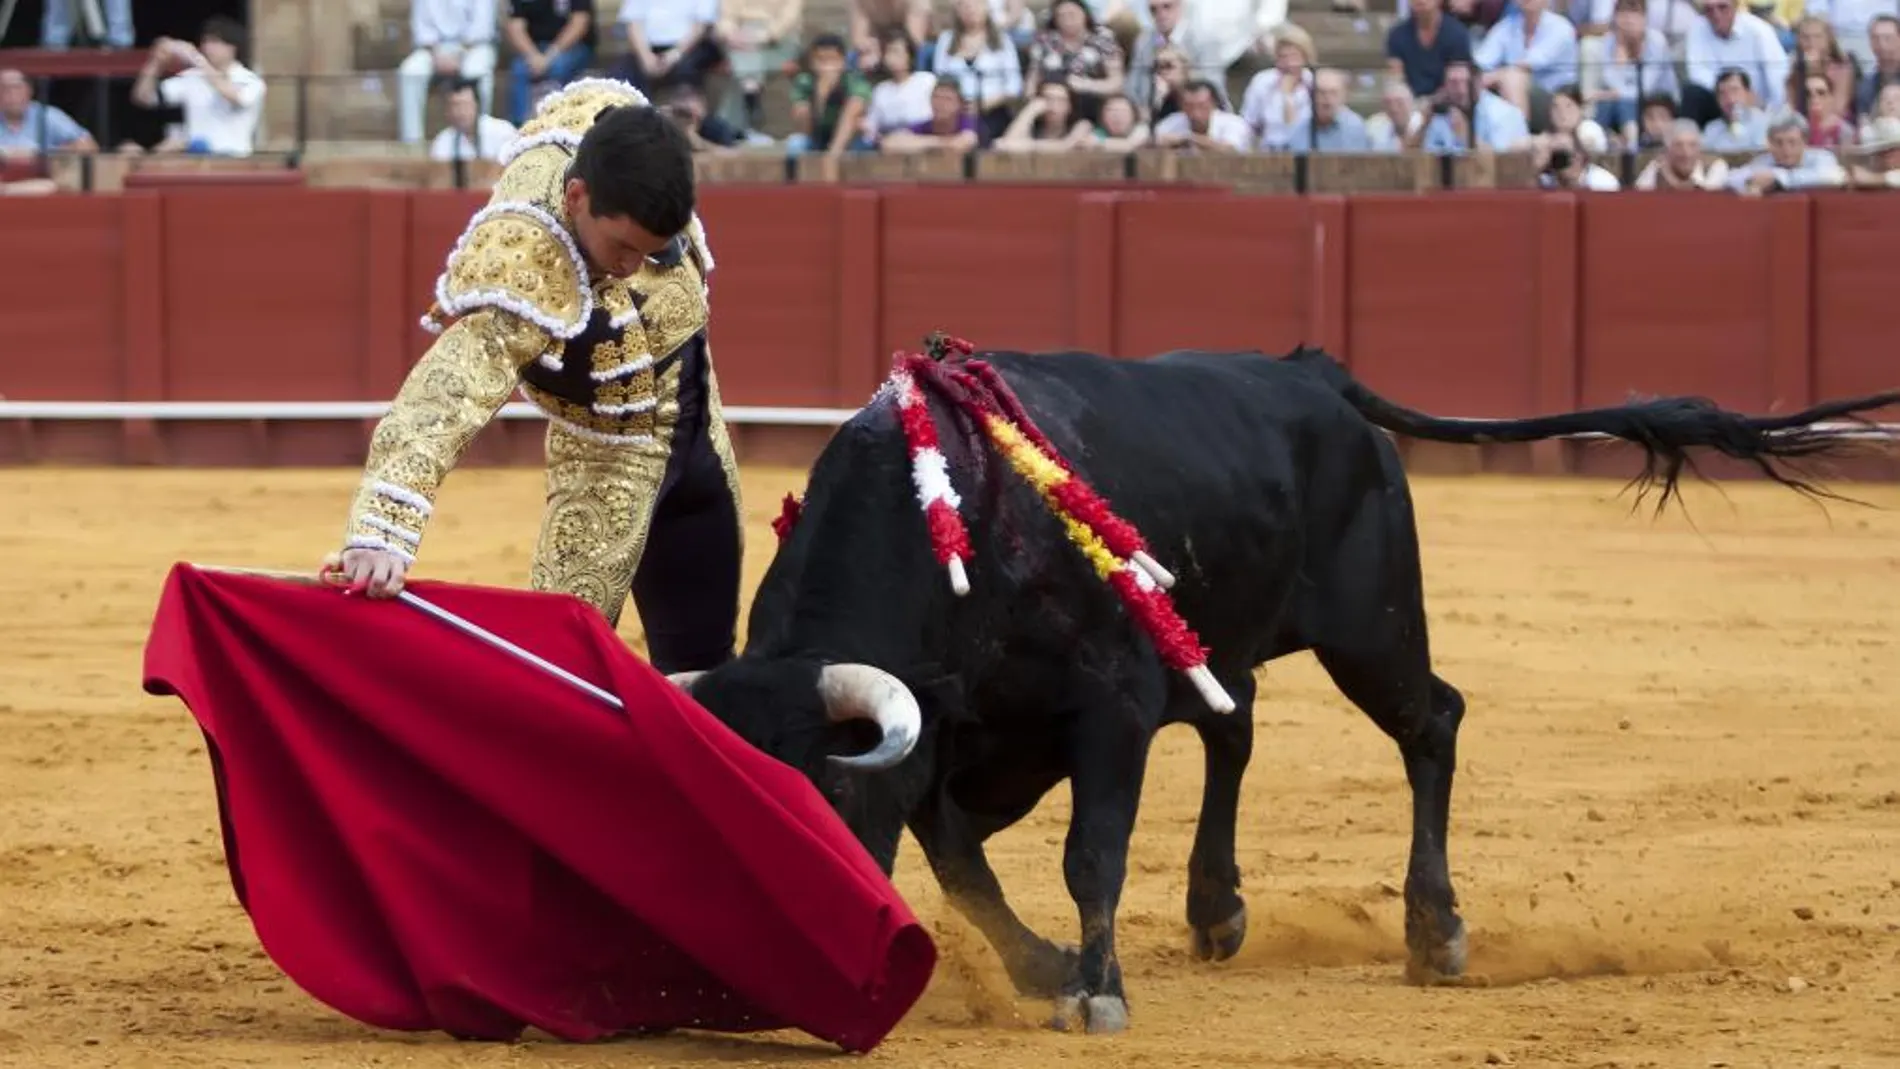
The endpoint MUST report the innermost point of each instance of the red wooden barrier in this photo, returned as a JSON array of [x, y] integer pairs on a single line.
[[1463, 304]]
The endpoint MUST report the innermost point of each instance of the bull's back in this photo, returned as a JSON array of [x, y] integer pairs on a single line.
[[1238, 469]]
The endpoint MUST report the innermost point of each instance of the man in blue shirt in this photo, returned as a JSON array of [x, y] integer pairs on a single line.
[[29, 128]]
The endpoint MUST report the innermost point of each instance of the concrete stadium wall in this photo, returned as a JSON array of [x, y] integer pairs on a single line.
[[1462, 304]]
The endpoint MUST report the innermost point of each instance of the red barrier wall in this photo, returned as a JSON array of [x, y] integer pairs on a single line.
[[1462, 304]]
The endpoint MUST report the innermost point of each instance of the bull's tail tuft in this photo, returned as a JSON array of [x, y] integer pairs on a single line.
[[1668, 430]]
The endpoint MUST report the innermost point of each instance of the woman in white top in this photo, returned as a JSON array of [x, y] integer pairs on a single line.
[[1279, 99], [978, 54], [901, 98]]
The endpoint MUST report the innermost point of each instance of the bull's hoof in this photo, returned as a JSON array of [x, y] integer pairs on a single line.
[[1222, 941], [1439, 960], [1043, 968], [1095, 1014]]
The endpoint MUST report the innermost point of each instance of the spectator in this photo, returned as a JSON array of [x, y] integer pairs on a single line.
[[707, 132], [1564, 164], [1170, 30], [1852, 22], [1743, 127], [985, 64], [1887, 105], [1827, 127], [1818, 55], [1333, 127], [553, 42], [901, 96], [1884, 68], [1566, 117], [1423, 44], [1079, 51], [760, 37], [1880, 151], [222, 99], [27, 127], [1788, 164], [872, 19], [669, 42], [1280, 98], [1727, 38], [1675, 18], [950, 127], [1637, 65], [1120, 128], [1658, 119], [451, 38], [470, 134], [1171, 73], [56, 24], [1400, 125], [1047, 124], [1465, 108], [1681, 165], [828, 100], [1202, 125], [1528, 55]]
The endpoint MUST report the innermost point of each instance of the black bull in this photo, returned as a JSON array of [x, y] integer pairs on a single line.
[[1267, 488]]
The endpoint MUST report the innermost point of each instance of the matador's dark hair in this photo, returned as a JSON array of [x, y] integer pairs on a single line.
[[637, 163]]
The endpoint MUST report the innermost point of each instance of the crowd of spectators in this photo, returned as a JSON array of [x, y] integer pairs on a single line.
[[1811, 88]]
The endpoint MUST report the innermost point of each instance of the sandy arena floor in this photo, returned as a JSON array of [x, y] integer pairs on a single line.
[[1675, 827]]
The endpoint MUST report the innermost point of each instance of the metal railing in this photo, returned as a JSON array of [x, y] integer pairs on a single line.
[[300, 111]]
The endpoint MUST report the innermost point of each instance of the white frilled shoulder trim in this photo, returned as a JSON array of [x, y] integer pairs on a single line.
[[588, 85], [461, 303]]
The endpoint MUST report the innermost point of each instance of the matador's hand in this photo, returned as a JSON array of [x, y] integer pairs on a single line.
[[376, 572]]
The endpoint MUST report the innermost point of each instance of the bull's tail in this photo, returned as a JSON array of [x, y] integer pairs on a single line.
[[1667, 430]]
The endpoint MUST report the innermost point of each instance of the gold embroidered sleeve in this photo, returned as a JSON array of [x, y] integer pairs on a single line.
[[449, 396]]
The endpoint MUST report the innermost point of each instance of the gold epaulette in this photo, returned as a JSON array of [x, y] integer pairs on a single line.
[[564, 117], [519, 257]]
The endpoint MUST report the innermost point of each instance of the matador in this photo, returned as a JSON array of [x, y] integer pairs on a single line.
[[583, 284]]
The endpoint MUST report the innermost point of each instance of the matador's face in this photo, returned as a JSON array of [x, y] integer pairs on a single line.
[[613, 245]]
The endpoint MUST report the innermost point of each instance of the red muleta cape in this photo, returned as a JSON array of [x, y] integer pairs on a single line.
[[428, 833]]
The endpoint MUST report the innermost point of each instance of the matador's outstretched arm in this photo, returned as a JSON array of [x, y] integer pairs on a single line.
[[449, 396]]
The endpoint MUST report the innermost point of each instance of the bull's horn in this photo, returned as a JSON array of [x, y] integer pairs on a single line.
[[860, 692], [684, 680]]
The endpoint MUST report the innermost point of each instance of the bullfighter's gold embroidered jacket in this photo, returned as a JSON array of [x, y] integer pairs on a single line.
[[529, 316]]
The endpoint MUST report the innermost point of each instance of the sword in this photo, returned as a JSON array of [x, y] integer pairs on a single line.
[[459, 623]]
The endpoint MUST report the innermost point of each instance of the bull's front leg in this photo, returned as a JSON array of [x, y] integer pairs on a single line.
[[954, 849], [1111, 754], [1215, 911]]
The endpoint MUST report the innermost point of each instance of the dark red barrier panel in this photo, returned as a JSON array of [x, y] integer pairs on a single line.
[[1475, 304]]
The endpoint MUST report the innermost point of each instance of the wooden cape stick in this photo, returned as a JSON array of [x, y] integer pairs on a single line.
[[467, 627]]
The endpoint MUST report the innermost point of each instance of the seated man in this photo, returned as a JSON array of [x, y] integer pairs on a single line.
[[669, 42], [1789, 164], [27, 127], [1202, 126], [1333, 127], [470, 135], [553, 42], [1465, 117], [452, 38], [222, 98]]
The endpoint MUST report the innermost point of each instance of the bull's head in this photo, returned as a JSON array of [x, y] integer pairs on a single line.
[[847, 727], [860, 692]]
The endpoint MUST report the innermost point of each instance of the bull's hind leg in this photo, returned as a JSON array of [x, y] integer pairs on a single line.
[[1421, 713], [1215, 910]]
